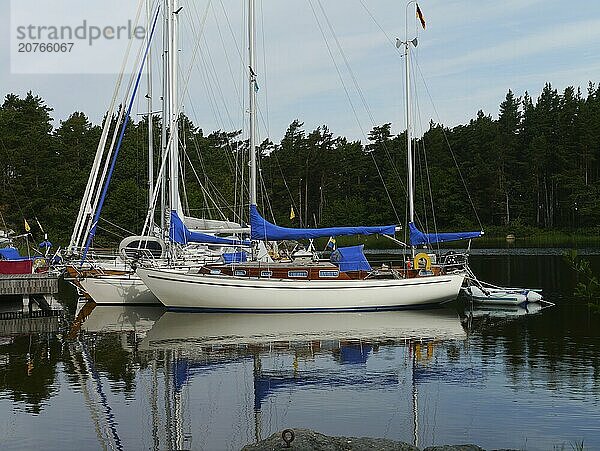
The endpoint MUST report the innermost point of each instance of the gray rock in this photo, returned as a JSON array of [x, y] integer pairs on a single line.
[[309, 440], [467, 447]]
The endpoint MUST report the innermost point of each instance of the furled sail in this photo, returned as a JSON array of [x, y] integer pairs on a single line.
[[179, 233], [261, 229], [11, 253], [417, 237]]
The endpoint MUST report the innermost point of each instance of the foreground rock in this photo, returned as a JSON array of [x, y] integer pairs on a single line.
[[304, 439]]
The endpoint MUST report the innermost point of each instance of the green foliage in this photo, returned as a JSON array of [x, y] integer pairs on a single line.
[[588, 285], [533, 171]]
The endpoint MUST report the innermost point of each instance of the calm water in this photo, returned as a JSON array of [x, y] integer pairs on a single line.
[[127, 378]]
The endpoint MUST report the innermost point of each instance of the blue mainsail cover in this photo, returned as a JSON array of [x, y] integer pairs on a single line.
[[179, 233], [350, 258], [417, 237], [261, 229]]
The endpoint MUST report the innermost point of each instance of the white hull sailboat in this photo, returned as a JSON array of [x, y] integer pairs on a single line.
[[347, 283], [125, 289], [113, 281], [226, 293]]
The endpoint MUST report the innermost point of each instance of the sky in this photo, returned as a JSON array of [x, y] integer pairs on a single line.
[[469, 56]]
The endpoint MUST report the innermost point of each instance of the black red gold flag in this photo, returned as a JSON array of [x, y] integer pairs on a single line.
[[420, 16]]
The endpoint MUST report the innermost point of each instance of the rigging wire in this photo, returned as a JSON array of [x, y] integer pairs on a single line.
[[204, 190], [422, 144], [121, 120], [358, 88], [438, 118], [211, 82], [350, 101], [450, 147], [391, 40], [264, 71], [118, 227], [225, 53]]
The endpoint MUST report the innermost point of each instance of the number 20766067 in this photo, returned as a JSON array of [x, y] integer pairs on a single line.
[[45, 47]]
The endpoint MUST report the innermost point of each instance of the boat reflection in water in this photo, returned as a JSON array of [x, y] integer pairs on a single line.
[[505, 311], [119, 318], [185, 330], [302, 353]]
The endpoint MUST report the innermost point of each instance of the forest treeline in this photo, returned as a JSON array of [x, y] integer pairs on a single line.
[[536, 166]]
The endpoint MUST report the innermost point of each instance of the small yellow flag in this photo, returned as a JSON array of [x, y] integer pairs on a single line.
[[27, 228], [292, 214]]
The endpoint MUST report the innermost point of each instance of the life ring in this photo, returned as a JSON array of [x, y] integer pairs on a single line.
[[39, 263], [418, 257]]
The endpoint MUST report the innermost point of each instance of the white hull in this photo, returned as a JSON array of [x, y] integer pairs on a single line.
[[227, 293], [187, 330], [126, 289]]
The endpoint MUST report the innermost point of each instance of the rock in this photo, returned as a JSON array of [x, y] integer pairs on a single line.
[[454, 448], [305, 439]]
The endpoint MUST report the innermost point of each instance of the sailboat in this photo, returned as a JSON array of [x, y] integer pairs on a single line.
[[112, 280], [346, 283]]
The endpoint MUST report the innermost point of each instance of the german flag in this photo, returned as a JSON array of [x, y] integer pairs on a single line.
[[420, 16]]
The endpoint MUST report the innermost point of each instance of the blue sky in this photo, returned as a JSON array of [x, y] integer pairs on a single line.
[[470, 55]]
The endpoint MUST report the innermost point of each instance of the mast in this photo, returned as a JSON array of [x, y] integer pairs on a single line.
[[252, 105], [164, 114], [411, 203], [409, 151], [150, 127], [173, 108]]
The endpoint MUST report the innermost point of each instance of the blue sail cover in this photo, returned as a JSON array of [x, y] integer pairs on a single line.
[[11, 253], [235, 257], [350, 258], [417, 237], [261, 229], [179, 233]]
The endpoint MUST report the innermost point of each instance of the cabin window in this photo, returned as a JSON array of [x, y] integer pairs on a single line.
[[266, 273], [327, 273], [298, 274], [215, 271], [239, 272]]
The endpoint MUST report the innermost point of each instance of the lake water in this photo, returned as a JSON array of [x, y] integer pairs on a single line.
[[143, 378]]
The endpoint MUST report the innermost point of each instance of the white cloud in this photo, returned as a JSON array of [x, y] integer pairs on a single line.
[[471, 53]]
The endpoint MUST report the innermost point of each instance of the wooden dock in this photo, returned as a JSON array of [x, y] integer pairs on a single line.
[[21, 284]]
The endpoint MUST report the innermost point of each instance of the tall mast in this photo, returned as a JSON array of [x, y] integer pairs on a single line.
[[165, 118], [409, 151], [252, 105], [409, 157], [150, 128], [173, 108]]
